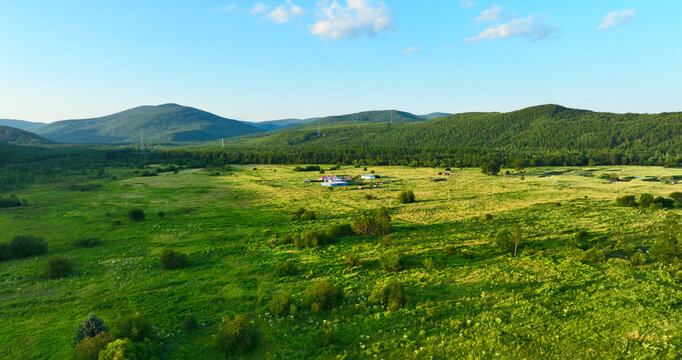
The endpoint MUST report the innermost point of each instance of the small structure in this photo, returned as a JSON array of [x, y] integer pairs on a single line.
[[345, 178], [334, 183], [370, 177]]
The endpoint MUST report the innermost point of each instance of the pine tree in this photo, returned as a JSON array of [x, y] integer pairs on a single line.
[[90, 327]]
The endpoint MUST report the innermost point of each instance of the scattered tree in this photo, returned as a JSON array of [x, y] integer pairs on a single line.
[[389, 294], [136, 215], [392, 260], [171, 260], [90, 327], [234, 335], [322, 295], [57, 267]]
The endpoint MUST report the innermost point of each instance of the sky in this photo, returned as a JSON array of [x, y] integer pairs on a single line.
[[275, 59]]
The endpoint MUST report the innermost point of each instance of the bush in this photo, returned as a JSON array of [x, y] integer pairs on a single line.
[[645, 200], [90, 327], [488, 217], [666, 247], [296, 215], [307, 168], [406, 197], [308, 215], [431, 264], [352, 259], [57, 267], [340, 230], [392, 260], [285, 268], [23, 246], [383, 221], [323, 295], [312, 239], [389, 294], [171, 260], [638, 259], [369, 196], [491, 167], [11, 201], [90, 347], [190, 323], [289, 238], [626, 201], [161, 214], [677, 196], [509, 240], [87, 242], [134, 327], [450, 250], [126, 349], [662, 203], [234, 335], [136, 215], [365, 225], [593, 256], [282, 304]]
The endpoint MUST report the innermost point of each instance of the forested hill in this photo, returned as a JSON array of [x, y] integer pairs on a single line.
[[12, 135], [355, 118], [20, 124], [540, 127], [157, 124]]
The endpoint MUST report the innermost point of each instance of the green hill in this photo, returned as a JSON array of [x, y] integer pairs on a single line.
[[166, 123], [20, 124], [280, 124], [540, 127], [20, 137], [355, 118]]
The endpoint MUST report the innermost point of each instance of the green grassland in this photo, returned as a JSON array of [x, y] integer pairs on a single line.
[[542, 304]]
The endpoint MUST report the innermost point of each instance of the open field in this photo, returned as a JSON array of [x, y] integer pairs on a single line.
[[475, 302]]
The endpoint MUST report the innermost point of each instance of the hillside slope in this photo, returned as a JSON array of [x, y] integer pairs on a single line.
[[20, 124], [16, 136], [157, 124], [540, 127]]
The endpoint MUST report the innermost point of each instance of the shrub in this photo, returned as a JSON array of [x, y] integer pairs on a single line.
[[638, 259], [488, 217], [323, 295], [308, 215], [161, 214], [467, 253], [190, 323], [369, 196], [677, 196], [666, 247], [626, 201], [364, 225], [593, 256], [662, 203], [23, 246], [126, 349], [296, 215], [57, 267], [136, 215], [450, 250], [234, 335], [90, 347], [289, 238], [312, 239], [645, 200], [87, 242], [386, 239], [392, 260], [509, 240], [5, 252], [406, 197], [90, 327], [383, 221], [282, 304], [171, 260], [11, 201], [285, 268], [431, 264], [352, 259], [388, 294], [307, 168], [340, 230], [490, 168], [135, 327]]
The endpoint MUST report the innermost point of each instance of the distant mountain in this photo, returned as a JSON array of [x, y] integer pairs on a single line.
[[20, 124], [434, 115], [10, 135], [539, 127], [168, 123], [279, 124]]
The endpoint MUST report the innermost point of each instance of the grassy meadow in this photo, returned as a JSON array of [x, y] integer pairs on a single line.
[[466, 298]]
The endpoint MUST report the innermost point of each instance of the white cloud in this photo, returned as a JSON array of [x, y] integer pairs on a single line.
[[284, 13], [356, 18], [226, 8], [526, 27], [411, 50], [491, 14], [615, 18], [467, 3], [259, 8]]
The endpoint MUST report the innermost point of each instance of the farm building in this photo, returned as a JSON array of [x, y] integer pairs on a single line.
[[334, 183], [335, 178], [370, 177]]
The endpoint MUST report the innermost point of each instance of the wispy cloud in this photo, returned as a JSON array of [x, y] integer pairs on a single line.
[[615, 18], [226, 8], [411, 50], [529, 27], [467, 3], [493, 14], [284, 13], [356, 18], [259, 8]]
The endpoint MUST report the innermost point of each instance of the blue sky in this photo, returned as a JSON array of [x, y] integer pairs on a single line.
[[301, 58]]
